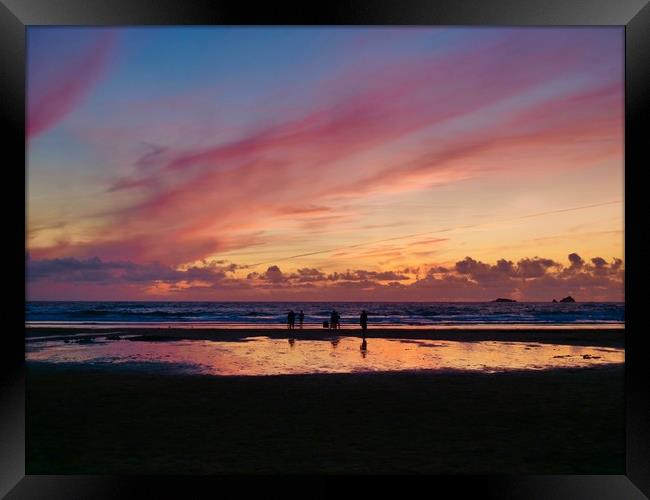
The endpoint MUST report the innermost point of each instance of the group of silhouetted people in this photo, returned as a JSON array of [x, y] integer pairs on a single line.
[[333, 324]]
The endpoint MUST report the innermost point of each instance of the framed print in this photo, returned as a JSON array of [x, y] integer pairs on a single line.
[[368, 240]]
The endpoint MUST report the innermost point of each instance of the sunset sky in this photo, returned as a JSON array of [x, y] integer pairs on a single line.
[[325, 163]]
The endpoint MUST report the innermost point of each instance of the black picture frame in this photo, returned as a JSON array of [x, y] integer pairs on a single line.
[[15, 15]]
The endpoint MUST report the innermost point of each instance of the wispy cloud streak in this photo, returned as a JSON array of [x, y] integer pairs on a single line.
[[62, 90]]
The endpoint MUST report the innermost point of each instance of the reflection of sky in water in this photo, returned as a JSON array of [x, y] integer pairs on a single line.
[[265, 356]]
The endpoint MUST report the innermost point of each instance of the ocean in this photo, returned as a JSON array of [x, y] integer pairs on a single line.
[[260, 314]]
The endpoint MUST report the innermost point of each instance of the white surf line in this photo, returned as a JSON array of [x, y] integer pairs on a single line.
[[445, 230]]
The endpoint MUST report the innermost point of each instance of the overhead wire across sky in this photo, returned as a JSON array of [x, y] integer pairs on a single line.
[[426, 233]]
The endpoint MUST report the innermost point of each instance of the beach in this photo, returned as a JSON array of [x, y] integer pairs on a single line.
[[457, 191], [111, 419], [84, 420]]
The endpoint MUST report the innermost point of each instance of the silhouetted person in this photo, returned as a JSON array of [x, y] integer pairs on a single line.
[[364, 347], [333, 320], [291, 320], [363, 320], [337, 320], [301, 317]]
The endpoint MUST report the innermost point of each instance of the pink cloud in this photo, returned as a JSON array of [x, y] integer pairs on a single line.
[[530, 279], [66, 88]]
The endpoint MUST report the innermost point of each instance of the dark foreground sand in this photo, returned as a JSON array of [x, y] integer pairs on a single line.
[[107, 421]]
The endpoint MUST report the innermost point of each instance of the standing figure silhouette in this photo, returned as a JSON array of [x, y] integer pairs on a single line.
[[301, 317], [337, 319], [363, 320], [291, 319]]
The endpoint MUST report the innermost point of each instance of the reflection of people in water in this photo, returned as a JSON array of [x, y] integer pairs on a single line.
[[335, 341], [301, 317], [363, 320], [291, 342], [364, 347], [291, 319]]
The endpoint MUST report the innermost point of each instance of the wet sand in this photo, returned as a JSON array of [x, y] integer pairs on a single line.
[[603, 337], [93, 420]]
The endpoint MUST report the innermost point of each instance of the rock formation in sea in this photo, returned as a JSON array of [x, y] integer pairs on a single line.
[[568, 299], [500, 299]]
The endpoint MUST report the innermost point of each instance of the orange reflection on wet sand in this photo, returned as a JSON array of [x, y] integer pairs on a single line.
[[266, 356]]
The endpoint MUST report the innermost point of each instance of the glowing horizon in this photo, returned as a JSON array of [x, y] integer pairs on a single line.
[[203, 163]]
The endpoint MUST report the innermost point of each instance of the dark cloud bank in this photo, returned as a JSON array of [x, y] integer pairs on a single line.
[[530, 279]]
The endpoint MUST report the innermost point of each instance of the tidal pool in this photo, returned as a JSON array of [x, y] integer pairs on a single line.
[[266, 356]]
